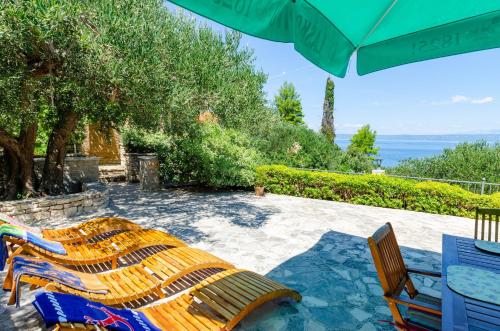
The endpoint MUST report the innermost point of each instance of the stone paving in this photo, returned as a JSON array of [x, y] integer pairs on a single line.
[[317, 247]]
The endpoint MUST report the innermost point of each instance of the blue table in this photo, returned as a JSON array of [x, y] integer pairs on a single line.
[[461, 313]]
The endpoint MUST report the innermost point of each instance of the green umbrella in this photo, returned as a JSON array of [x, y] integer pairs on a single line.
[[384, 33]]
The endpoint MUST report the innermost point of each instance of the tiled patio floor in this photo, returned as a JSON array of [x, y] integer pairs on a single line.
[[317, 247]]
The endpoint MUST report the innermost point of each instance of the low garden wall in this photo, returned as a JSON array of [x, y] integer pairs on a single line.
[[77, 170], [374, 190], [93, 197]]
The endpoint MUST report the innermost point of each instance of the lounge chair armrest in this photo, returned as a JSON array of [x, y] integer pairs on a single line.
[[426, 307], [424, 272]]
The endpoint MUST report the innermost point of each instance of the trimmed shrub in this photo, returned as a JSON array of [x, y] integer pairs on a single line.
[[374, 190]]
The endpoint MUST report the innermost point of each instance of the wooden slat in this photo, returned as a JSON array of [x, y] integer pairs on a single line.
[[135, 282], [222, 304]]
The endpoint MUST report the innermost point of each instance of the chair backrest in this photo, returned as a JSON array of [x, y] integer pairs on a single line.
[[388, 261], [487, 224]]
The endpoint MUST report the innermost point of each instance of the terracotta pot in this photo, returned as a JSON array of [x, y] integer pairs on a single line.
[[259, 191]]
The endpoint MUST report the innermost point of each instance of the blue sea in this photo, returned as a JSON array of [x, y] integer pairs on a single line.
[[394, 148]]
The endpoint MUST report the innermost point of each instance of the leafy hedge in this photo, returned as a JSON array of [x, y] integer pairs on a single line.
[[374, 190]]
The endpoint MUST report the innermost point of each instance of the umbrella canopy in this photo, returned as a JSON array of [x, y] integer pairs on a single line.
[[384, 33]]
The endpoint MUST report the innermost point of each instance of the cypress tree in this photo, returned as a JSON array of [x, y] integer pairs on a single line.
[[327, 124]]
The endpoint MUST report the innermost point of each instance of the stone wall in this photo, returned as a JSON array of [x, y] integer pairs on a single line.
[[149, 173], [132, 165], [94, 196], [77, 170]]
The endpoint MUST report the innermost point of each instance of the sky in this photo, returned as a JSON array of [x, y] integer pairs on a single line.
[[452, 95]]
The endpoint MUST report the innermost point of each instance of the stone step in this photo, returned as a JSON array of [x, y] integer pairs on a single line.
[[115, 178], [112, 173]]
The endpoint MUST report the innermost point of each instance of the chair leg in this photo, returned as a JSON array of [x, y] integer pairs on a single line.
[[8, 281], [12, 298], [396, 314]]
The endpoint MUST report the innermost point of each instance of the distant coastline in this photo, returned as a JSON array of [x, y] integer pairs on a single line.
[[395, 148]]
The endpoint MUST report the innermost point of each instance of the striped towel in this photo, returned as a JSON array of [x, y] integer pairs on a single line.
[[60, 308], [25, 266], [30, 237]]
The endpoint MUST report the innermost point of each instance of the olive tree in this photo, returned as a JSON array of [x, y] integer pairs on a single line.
[[64, 62]]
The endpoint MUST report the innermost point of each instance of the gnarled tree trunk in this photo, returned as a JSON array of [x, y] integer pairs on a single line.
[[12, 176], [19, 158], [27, 141], [53, 169]]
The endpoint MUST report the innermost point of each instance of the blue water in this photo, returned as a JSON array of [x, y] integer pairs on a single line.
[[394, 148]]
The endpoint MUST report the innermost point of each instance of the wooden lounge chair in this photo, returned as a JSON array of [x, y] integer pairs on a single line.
[[424, 311], [107, 250], [118, 286], [490, 217], [218, 303], [102, 226]]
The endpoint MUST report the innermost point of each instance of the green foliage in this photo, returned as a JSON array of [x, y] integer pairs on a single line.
[[141, 141], [298, 146], [215, 157], [211, 155], [115, 60], [327, 124], [111, 60], [226, 158], [353, 160], [467, 161], [287, 102], [364, 141], [374, 190]]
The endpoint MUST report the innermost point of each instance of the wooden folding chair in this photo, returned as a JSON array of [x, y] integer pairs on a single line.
[[487, 220], [424, 311]]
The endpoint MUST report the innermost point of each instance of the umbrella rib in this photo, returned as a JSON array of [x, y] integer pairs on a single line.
[[368, 35]]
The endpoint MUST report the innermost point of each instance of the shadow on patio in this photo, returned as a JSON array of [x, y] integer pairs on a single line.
[[339, 286], [181, 209]]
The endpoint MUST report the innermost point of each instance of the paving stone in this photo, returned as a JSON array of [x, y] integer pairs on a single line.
[[370, 280], [360, 315], [314, 302], [376, 289], [314, 325], [328, 247], [357, 299], [345, 274], [368, 327], [384, 310], [430, 291], [428, 282]]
